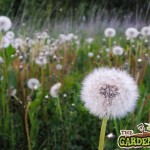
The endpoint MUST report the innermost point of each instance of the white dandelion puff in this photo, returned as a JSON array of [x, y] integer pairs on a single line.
[[1, 60], [5, 23], [110, 93], [145, 31], [10, 35], [131, 33], [58, 66], [117, 50], [18, 43], [55, 90], [110, 32], [5, 42], [41, 60], [89, 40], [90, 54], [33, 84]]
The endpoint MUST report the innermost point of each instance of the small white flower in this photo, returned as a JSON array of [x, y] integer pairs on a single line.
[[110, 32], [58, 66], [110, 93], [145, 31], [5, 23], [131, 33], [117, 50], [90, 54], [55, 89], [5, 42], [33, 84]]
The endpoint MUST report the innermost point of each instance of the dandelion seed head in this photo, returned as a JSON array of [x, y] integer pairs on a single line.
[[5, 42], [58, 66], [1, 60], [117, 50], [145, 31], [110, 136], [55, 90], [110, 93], [5, 23], [33, 84], [41, 60], [131, 33], [10, 35], [89, 40], [110, 32], [90, 54]]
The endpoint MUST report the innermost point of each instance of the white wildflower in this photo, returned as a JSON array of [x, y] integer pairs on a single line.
[[109, 93]]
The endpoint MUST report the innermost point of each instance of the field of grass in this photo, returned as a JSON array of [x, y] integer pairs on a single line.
[[40, 116]]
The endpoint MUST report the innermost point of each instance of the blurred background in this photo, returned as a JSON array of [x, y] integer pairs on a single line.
[[67, 15]]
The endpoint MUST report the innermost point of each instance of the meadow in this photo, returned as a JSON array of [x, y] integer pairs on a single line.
[[40, 84]]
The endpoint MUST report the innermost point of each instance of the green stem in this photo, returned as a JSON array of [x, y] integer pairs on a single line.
[[59, 107], [26, 127], [102, 134], [116, 127]]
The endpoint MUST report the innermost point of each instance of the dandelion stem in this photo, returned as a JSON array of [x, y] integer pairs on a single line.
[[26, 126], [59, 107], [116, 127], [102, 134]]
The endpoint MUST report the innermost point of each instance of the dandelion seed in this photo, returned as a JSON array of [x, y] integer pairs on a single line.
[[109, 93], [131, 33], [117, 50], [33, 84], [5, 23], [55, 89], [110, 32]]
